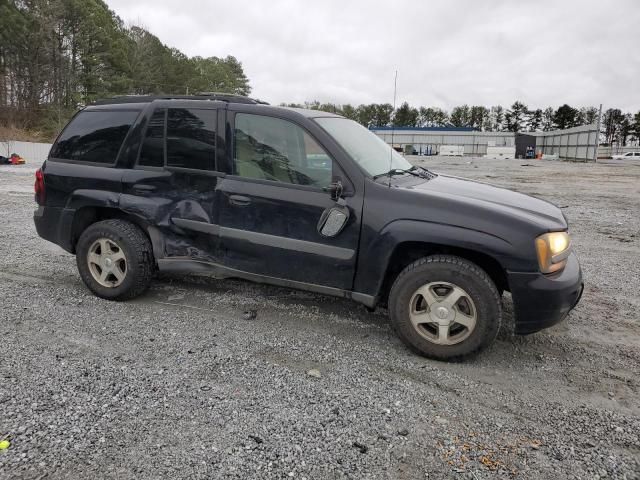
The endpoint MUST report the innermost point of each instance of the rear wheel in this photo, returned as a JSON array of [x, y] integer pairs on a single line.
[[115, 259], [445, 307]]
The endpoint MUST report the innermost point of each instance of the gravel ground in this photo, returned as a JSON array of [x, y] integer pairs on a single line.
[[178, 384]]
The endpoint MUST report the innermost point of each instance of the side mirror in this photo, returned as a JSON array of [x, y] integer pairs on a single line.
[[333, 219]]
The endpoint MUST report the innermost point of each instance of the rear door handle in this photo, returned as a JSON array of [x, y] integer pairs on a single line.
[[143, 188], [239, 200]]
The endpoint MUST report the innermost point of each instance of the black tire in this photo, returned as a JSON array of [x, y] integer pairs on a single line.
[[453, 270], [138, 253]]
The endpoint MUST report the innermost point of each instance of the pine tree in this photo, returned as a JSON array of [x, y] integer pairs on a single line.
[[461, 116], [565, 117], [516, 117], [547, 119], [405, 116], [534, 122]]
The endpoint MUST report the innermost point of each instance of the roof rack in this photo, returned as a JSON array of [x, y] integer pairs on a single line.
[[212, 96]]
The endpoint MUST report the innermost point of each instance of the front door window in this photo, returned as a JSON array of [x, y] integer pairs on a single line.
[[268, 148]]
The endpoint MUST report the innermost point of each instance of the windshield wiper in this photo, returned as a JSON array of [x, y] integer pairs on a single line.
[[415, 171], [398, 171], [424, 173]]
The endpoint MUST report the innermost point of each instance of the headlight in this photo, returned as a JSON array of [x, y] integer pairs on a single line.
[[553, 249]]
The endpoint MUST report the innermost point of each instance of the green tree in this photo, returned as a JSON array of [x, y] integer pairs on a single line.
[[146, 63], [479, 117], [331, 108], [565, 117], [516, 117], [626, 128], [350, 112], [612, 124], [57, 55], [587, 116], [432, 117], [496, 118], [461, 116], [383, 113], [636, 126], [534, 122], [365, 114], [547, 119], [405, 116], [221, 75]]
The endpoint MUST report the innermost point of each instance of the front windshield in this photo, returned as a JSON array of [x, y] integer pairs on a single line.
[[365, 147]]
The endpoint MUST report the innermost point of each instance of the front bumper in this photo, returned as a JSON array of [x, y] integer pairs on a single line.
[[540, 301]]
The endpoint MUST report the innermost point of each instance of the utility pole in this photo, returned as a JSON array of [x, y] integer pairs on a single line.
[[595, 147]]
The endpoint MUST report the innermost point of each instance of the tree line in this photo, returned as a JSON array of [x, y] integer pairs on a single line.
[[616, 126], [58, 55]]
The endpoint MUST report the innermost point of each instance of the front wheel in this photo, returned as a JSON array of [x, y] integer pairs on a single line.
[[115, 259], [445, 307]]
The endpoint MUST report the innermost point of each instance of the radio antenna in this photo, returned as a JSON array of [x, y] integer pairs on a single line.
[[393, 127]]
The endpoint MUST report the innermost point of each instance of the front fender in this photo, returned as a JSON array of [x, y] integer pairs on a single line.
[[374, 258]]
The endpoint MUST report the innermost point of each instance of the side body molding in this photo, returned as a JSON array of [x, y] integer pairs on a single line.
[[190, 265], [267, 240]]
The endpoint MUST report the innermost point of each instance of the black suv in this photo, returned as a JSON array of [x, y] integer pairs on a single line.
[[303, 199]]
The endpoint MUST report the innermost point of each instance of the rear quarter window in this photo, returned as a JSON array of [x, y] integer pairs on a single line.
[[94, 136]]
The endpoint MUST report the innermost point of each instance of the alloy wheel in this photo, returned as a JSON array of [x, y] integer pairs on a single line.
[[442, 313], [107, 263]]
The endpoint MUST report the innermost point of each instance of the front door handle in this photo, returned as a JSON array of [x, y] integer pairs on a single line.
[[239, 200]]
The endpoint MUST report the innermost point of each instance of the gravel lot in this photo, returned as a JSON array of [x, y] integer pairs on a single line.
[[177, 384]]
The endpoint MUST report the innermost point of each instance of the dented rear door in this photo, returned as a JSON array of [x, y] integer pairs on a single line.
[[172, 186]]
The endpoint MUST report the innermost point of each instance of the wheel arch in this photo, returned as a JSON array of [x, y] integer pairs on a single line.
[[405, 253], [89, 214], [403, 241]]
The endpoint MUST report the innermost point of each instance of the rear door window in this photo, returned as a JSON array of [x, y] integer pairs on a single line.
[[191, 138], [94, 136], [152, 152]]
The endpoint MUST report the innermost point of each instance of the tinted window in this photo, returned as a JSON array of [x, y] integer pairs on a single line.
[[152, 152], [272, 149], [191, 138], [94, 136]]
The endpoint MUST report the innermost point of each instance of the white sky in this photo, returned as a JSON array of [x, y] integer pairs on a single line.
[[447, 52]]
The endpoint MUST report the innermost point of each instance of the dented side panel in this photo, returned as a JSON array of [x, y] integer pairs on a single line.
[[161, 196]]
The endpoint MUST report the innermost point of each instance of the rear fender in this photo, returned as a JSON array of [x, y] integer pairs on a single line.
[[81, 201], [87, 206], [92, 198]]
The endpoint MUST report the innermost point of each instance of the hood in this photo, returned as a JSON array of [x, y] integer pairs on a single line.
[[477, 195]]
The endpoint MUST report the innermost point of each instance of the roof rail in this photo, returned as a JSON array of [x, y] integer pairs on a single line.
[[212, 96]]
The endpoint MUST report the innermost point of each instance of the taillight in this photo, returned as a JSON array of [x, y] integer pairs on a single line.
[[39, 187]]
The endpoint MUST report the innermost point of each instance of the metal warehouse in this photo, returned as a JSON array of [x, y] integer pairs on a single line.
[[429, 140], [577, 144]]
